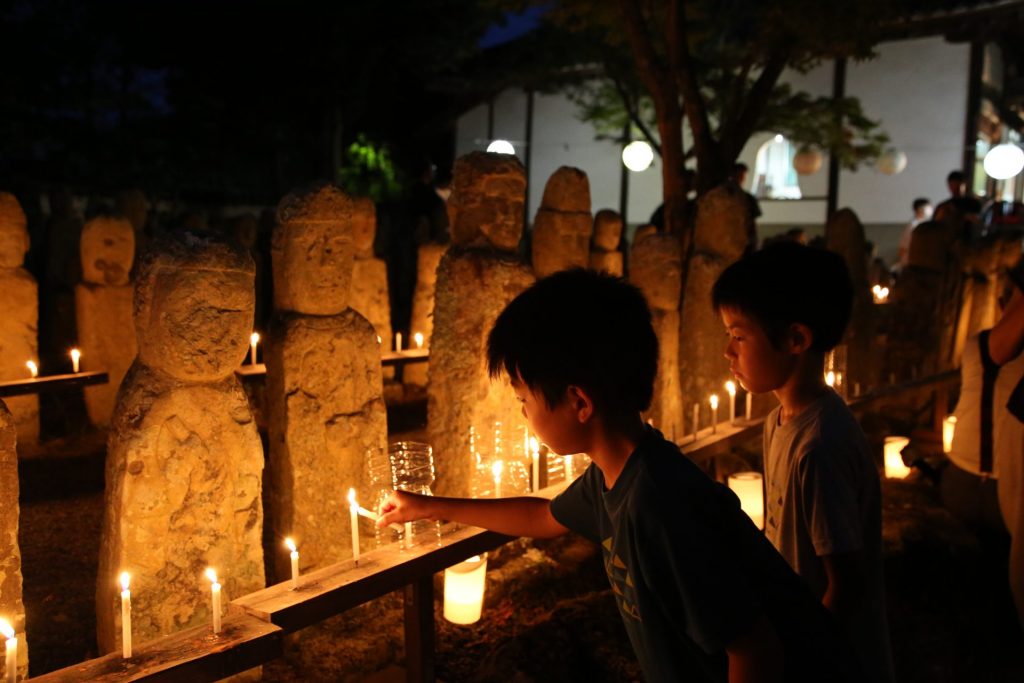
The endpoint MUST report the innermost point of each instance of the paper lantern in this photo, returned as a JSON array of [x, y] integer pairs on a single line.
[[637, 156], [501, 147], [893, 449], [464, 590], [807, 161], [749, 489], [891, 162], [1004, 161]]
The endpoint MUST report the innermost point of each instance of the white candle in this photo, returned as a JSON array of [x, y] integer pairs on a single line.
[[211, 574], [496, 470], [76, 357], [535, 454], [33, 369], [295, 562], [254, 339], [398, 341], [750, 403], [353, 515], [894, 465], [730, 386], [464, 590], [830, 378], [408, 535], [856, 388], [696, 420], [948, 431], [418, 338], [569, 474], [750, 491], [126, 616], [714, 412], [12, 650], [369, 514]]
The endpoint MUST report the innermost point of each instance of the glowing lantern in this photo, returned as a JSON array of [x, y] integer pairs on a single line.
[[891, 162], [807, 161], [948, 430], [464, 590], [894, 466], [1004, 161], [748, 488], [637, 156], [501, 147]]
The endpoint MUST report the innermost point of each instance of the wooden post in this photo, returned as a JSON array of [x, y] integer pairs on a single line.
[[419, 630]]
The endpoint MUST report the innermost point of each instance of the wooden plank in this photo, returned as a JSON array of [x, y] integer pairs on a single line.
[[419, 630], [39, 385], [388, 358], [258, 370], [189, 656]]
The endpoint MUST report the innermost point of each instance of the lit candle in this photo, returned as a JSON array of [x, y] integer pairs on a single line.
[[856, 388], [254, 339], [714, 412], [211, 574], [696, 420], [464, 590], [535, 454], [295, 562], [398, 341], [12, 650], [569, 474], [33, 369], [830, 378], [496, 470], [126, 616], [750, 404], [418, 338], [730, 386], [408, 535], [894, 465], [76, 357], [378, 340], [750, 491], [948, 430], [353, 515], [369, 514]]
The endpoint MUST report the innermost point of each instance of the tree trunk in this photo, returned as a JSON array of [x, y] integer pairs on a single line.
[[672, 163]]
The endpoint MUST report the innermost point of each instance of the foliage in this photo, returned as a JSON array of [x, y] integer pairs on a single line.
[[369, 171]]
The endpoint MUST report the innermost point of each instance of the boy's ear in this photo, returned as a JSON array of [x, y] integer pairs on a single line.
[[580, 402], [800, 338]]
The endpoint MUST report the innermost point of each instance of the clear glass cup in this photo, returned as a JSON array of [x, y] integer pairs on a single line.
[[412, 470]]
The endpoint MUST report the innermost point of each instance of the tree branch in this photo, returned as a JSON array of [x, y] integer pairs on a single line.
[[650, 70], [634, 115], [756, 101]]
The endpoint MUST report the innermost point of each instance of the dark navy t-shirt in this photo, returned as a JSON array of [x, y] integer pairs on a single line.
[[690, 571]]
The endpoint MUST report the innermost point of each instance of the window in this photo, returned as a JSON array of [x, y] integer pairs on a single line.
[[774, 175]]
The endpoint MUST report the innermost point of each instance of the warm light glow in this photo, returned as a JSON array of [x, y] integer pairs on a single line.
[[76, 356], [254, 338], [880, 294], [501, 147], [211, 574], [5, 628], [750, 491], [418, 338], [534, 444], [1004, 161], [352, 498], [290, 544], [637, 156], [948, 431], [830, 378], [125, 579], [464, 590], [779, 137], [894, 466], [730, 386], [714, 401], [497, 468], [32, 368]]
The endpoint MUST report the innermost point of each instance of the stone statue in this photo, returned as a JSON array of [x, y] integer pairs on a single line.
[[369, 294], [604, 254], [427, 260], [11, 606], [562, 228]]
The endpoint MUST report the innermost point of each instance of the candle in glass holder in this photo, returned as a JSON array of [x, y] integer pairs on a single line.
[[418, 338], [126, 616], [33, 369], [353, 515], [714, 412], [948, 430], [496, 470], [211, 574], [895, 468], [254, 339], [76, 358], [294, 555], [749, 489], [730, 386], [12, 650]]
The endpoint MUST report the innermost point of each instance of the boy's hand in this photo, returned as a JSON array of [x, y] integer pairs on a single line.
[[402, 506]]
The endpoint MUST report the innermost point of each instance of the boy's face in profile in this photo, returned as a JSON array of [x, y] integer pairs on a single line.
[[755, 362], [557, 427]]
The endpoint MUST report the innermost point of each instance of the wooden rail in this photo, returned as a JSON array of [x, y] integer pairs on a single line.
[[39, 385], [255, 623], [391, 358]]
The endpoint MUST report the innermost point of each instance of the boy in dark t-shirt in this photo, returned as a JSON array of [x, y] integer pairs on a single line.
[[703, 595]]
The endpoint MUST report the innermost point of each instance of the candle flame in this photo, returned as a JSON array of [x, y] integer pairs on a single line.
[[497, 468], [830, 378], [125, 578], [211, 574], [730, 386], [534, 445], [6, 629], [714, 401], [352, 498], [291, 544], [419, 340], [75, 354], [32, 368], [254, 338]]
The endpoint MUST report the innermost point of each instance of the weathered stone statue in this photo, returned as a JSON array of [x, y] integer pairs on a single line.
[[11, 606], [845, 236], [324, 386], [563, 225], [184, 460], [478, 276], [133, 205], [369, 294], [655, 266], [605, 254], [103, 309], [20, 305], [721, 235], [428, 258]]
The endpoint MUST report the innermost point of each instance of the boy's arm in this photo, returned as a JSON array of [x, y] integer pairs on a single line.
[[846, 582], [522, 516], [756, 656]]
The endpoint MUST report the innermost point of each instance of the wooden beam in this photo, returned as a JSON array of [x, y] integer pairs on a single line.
[[419, 630], [189, 656], [39, 385], [407, 357]]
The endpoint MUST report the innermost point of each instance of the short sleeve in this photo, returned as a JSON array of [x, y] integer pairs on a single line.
[[690, 557], [575, 508], [828, 501]]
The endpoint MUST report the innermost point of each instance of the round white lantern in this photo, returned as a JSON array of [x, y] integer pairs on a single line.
[[637, 156], [807, 161], [501, 147], [891, 162], [1004, 161]]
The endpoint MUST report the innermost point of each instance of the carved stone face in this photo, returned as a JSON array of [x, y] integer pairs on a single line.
[[607, 230], [197, 323], [14, 239], [364, 224], [312, 264], [488, 191], [108, 250]]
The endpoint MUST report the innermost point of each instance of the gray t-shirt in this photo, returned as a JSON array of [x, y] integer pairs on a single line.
[[823, 497]]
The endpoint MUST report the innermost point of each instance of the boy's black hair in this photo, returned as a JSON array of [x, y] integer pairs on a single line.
[[921, 201], [956, 176], [787, 283], [582, 328]]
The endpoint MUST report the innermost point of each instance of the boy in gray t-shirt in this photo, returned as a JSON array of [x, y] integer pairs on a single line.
[[784, 308]]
